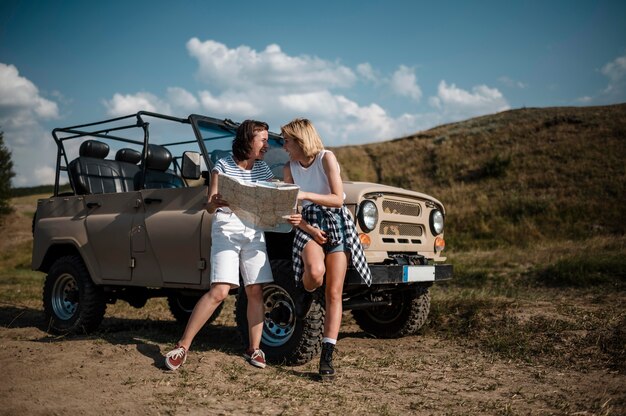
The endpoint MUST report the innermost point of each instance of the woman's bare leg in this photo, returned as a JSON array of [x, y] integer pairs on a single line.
[[336, 265], [255, 314], [314, 268], [203, 310]]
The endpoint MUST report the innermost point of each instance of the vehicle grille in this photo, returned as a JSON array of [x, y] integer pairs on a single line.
[[401, 208], [397, 229]]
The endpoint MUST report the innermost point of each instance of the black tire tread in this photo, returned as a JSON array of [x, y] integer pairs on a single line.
[[92, 305], [416, 307], [306, 341]]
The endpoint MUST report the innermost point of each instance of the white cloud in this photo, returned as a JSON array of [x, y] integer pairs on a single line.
[[277, 87], [243, 67], [318, 102], [273, 86], [122, 105], [20, 97], [404, 83], [181, 98], [615, 71], [177, 101], [22, 108], [235, 104], [456, 103], [344, 120], [22, 113], [368, 73]]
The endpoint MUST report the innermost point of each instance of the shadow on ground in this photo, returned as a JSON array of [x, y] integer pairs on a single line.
[[144, 333]]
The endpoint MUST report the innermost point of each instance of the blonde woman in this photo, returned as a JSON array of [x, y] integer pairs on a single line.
[[326, 240]]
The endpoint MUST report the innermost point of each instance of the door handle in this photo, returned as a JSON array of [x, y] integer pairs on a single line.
[[151, 200], [94, 204]]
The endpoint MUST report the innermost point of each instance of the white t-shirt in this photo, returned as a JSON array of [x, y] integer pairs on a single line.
[[259, 172], [313, 178]]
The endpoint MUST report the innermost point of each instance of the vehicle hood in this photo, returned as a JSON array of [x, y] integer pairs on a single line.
[[356, 191]]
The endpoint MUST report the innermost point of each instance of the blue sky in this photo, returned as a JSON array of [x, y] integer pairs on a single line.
[[362, 71]]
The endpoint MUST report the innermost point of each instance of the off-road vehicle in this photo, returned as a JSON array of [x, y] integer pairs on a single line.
[[134, 226]]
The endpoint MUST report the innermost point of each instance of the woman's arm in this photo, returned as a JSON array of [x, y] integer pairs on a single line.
[[294, 219], [335, 198], [287, 174], [215, 200]]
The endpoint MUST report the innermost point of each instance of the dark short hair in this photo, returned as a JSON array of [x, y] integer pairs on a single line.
[[242, 143]]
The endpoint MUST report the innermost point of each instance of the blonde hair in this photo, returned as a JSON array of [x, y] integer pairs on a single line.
[[303, 132]]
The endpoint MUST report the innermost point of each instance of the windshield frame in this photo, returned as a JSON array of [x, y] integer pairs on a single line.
[[209, 131]]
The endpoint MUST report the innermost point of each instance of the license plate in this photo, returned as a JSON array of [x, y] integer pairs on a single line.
[[418, 274]]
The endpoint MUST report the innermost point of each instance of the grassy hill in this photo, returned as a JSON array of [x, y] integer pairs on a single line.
[[512, 178]]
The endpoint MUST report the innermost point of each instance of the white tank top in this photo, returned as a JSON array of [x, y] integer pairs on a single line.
[[311, 179]]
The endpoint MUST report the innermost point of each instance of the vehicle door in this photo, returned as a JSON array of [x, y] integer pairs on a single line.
[[171, 242], [108, 222]]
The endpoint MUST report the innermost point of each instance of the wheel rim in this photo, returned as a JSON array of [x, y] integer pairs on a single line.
[[65, 296], [280, 319]]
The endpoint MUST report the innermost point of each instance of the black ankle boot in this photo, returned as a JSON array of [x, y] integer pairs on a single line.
[[326, 361]]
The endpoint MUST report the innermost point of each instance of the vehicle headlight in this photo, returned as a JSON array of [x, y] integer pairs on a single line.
[[436, 222], [368, 216]]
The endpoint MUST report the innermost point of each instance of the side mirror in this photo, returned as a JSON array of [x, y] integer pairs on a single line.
[[191, 165]]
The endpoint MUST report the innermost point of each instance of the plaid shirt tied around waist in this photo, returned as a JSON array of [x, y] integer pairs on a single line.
[[312, 214]]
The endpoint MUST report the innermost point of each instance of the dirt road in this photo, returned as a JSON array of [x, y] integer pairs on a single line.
[[119, 371]]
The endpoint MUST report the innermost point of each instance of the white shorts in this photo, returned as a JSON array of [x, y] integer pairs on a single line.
[[237, 249]]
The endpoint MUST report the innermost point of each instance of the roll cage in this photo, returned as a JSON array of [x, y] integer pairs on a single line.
[[134, 129]]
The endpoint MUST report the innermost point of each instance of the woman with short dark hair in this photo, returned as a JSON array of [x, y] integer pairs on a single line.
[[236, 248]]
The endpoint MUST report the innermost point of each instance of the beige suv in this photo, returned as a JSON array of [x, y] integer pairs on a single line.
[[135, 227]]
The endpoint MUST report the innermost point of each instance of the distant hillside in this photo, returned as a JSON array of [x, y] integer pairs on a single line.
[[512, 178], [33, 190]]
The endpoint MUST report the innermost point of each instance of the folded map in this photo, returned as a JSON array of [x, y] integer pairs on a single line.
[[264, 205]]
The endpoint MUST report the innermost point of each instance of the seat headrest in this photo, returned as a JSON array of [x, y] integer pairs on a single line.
[[94, 148], [159, 158], [128, 155]]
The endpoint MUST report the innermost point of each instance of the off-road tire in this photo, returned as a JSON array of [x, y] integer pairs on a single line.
[[286, 339], [181, 307], [72, 303], [405, 316]]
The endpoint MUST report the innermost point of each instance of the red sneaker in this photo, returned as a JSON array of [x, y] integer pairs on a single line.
[[255, 357], [176, 358]]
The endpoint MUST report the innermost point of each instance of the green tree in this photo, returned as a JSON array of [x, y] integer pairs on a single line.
[[6, 173]]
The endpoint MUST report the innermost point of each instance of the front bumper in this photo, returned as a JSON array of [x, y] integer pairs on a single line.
[[401, 274]]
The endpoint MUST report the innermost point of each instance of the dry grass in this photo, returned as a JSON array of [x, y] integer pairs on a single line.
[[578, 316]]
